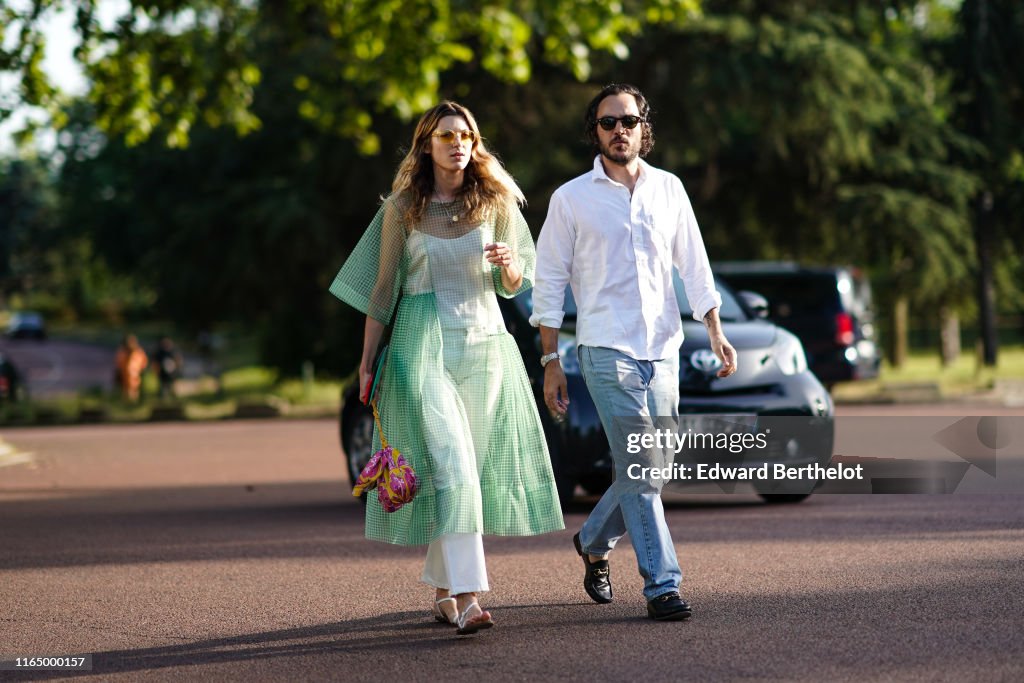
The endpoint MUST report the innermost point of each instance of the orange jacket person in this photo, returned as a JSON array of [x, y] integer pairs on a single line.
[[130, 361]]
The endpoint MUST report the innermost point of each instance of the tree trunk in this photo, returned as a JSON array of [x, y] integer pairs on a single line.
[[898, 336], [949, 335], [986, 284], [982, 75]]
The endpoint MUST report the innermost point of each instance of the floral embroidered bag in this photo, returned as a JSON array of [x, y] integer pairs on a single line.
[[387, 470]]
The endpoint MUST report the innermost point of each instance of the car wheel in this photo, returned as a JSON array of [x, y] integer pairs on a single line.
[[356, 438], [783, 498]]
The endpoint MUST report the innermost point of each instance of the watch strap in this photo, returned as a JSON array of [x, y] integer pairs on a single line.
[[547, 358]]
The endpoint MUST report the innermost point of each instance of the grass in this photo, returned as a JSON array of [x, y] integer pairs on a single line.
[[251, 391], [244, 386], [923, 371]]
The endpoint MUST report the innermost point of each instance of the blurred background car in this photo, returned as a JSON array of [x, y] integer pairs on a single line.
[[772, 381], [829, 308], [26, 325]]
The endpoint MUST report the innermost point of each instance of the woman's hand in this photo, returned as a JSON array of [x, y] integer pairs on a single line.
[[365, 383], [372, 332], [498, 254]]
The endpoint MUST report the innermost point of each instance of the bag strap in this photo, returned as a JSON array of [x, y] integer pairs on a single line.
[[376, 418]]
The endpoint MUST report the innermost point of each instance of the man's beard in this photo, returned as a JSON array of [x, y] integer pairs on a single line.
[[621, 158]]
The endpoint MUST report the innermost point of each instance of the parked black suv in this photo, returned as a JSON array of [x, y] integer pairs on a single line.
[[773, 383], [828, 308]]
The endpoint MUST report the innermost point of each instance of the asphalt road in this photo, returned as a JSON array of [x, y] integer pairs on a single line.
[[233, 551]]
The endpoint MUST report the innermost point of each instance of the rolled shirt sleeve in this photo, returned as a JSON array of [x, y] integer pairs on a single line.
[[691, 259], [554, 263]]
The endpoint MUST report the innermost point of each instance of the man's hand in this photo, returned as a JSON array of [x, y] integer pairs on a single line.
[[719, 344], [726, 353], [556, 393]]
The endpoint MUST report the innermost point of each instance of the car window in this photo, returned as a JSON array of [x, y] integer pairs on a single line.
[[792, 295], [731, 310]]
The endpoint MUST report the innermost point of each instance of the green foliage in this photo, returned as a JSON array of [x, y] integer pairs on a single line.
[[817, 136], [28, 221], [986, 58], [41, 267], [166, 65], [229, 154]]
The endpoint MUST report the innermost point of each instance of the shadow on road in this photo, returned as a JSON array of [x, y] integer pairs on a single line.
[[873, 633], [317, 519]]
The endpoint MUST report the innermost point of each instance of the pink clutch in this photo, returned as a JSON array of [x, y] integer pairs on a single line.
[[389, 472]]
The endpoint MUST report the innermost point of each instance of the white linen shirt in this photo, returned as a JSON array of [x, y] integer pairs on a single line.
[[616, 252]]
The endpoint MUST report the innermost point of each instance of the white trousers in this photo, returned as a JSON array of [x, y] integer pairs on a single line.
[[455, 562]]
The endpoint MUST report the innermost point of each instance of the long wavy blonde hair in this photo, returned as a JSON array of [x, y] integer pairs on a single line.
[[486, 184]]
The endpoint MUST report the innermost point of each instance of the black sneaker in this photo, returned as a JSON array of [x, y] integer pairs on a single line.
[[597, 581], [668, 607]]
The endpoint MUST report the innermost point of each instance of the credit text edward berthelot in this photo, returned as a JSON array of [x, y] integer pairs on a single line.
[[733, 443]]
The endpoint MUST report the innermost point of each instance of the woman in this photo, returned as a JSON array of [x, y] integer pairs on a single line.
[[454, 397]]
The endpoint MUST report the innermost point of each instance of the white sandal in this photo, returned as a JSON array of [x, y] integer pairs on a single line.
[[471, 624], [441, 615]]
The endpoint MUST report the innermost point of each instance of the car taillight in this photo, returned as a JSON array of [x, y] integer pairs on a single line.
[[844, 329], [4, 385]]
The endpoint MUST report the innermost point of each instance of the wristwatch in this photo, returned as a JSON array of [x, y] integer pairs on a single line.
[[547, 358]]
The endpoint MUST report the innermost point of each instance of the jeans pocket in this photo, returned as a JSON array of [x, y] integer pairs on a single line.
[[628, 376]]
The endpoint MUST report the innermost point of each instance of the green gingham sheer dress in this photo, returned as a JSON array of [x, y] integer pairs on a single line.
[[454, 397]]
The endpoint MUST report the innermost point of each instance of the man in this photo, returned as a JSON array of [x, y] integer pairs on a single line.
[[168, 364], [613, 234]]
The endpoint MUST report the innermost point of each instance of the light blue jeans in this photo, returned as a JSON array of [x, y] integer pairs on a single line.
[[628, 392]]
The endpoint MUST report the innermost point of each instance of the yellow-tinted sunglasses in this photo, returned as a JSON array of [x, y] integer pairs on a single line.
[[447, 137]]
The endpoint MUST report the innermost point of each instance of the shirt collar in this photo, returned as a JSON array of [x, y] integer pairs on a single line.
[[599, 172]]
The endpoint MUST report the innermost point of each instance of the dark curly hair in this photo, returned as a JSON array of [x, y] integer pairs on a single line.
[[590, 119]]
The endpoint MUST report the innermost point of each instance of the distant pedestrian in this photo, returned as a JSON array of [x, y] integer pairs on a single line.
[[208, 343], [129, 363], [168, 364]]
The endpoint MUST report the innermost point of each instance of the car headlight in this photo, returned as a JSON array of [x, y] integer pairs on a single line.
[[790, 356], [567, 351]]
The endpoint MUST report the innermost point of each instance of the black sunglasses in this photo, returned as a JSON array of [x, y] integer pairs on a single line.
[[628, 122]]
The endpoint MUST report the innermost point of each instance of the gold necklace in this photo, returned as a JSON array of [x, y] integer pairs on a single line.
[[450, 206]]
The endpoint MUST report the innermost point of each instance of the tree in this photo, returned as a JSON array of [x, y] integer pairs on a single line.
[[235, 164], [27, 223], [42, 265], [167, 65], [987, 57], [817, 135]]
